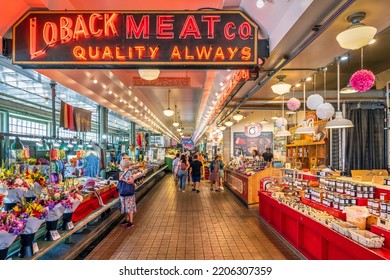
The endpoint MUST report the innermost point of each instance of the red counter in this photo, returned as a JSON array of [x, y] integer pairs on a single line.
[[90, 205], [311, 238]]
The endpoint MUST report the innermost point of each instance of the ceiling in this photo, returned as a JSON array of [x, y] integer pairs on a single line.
[[287, 24]]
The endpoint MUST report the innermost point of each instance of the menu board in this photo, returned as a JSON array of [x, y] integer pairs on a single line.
[[244, 145]]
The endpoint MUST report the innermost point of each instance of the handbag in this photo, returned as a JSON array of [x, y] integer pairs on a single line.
[[126, 189], [221, 175]]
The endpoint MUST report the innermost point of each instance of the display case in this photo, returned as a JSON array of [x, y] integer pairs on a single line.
[[245, 187], [313, 239]]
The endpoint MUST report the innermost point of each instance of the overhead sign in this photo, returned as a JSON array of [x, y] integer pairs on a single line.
[[127, 39]]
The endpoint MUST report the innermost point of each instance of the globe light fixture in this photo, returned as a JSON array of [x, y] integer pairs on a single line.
[[260, 4], [338, 121], [149, 74], [222, 127], [176, 123], [282, 132], [358, 34], [238, 116], [168, 112], [281, 87]]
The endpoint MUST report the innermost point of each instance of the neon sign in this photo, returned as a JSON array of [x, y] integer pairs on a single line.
[[95, 39]]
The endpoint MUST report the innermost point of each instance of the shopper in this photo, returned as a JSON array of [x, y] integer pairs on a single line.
[[267, 155], [221, 174], [214, 173], [196, 172], [182, 170], [128, 203], [255, 155], [189, 158], [175, 164]]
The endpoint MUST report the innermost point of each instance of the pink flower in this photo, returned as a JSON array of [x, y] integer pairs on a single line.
[[362, 80]]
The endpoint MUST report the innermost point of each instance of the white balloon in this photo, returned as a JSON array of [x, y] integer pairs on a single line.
[[325, 111], [313, 101], [280, 122]]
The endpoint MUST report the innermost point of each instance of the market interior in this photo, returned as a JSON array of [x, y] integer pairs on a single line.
[[303, 52]]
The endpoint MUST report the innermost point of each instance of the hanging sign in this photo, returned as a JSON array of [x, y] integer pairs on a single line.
[[252, 130], [128, 39]]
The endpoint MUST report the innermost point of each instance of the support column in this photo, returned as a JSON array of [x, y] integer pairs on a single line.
[[103, 130], [5, 128], [132, 138], [53, 108]]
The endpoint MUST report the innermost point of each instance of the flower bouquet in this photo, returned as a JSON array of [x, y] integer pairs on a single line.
[[14, 187], [11, 225], [74, 198], [37, 181], [112, 166], [35, 215], [57, 202]]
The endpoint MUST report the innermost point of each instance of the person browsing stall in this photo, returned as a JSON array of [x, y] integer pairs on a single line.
[[196, 172], [128, 203]]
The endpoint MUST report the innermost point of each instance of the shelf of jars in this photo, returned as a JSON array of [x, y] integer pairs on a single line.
[[347, 208]]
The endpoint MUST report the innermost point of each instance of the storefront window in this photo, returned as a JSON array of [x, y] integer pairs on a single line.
[[27, 127]]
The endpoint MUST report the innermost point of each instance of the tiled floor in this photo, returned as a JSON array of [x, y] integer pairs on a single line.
[[202, 226]]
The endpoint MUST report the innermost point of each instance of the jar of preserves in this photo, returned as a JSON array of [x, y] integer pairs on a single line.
[[359, 194]]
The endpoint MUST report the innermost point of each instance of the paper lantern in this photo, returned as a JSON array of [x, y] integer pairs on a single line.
[[313, 101], [281, 122], [293, 104], [362, 80], [325, 111]]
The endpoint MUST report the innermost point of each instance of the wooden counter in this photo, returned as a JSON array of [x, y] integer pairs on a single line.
[[246, 187]]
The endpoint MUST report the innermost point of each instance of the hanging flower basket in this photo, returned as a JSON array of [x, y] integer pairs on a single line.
[[325, 111], [362, 80]]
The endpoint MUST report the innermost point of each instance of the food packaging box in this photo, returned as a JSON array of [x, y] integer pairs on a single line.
[[342, 227], [357, 215], [371, 220], [383, 223], [366, 238]]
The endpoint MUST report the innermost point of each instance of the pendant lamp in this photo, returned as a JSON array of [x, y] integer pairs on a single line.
[[64, 146], [238, 116], [282, 132], [229, 123], [348, 89], [168, 112], [43, 146], [281, 87], [264, 121], [149, 74], [175, 123], [17, 144], [358, 34], [338, 121], [304, 129]]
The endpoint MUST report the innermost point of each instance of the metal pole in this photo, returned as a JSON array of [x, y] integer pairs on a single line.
[[53, 108]]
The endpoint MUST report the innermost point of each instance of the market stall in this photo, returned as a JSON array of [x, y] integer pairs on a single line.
[[330, 218]]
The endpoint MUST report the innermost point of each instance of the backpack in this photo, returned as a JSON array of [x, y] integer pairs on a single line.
[[183, 165]]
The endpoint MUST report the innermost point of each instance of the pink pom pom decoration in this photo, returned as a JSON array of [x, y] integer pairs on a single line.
[[293, 104], [362, 80]]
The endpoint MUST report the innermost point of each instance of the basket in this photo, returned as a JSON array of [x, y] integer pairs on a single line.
[[366, 238], [343, 227]]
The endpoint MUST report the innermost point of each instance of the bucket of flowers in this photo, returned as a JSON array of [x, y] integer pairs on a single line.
[[11, 225], [74, 198], [112, 170], [14, 187], [57, 202], [35, 214]]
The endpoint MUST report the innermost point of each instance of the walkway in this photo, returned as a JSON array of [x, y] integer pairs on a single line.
[[208, 225]]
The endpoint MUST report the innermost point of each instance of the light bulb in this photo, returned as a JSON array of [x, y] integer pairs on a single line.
[[260, 4]]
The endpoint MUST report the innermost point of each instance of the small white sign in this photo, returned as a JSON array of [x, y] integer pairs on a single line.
[[70, 225], [54, 234], [35, 248]]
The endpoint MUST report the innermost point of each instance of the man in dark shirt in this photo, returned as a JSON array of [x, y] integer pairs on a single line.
[[267, 155], [196, 172]]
